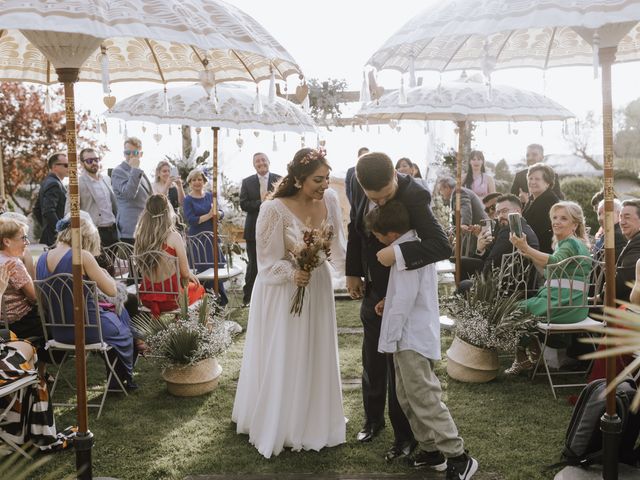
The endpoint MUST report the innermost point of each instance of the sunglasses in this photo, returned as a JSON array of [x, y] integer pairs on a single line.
[[135, 153], [65, 165], [89, 161]]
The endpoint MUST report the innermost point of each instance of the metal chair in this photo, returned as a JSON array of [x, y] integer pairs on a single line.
[[16, 390], [157, 275], [516, 274], [119, 254], [55, 305], [563, 275], [200, 254]]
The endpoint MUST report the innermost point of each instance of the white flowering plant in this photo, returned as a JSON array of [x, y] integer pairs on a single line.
[[196, 334], [488, 316]]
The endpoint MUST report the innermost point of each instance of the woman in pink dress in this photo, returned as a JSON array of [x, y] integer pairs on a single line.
[[477, 179]]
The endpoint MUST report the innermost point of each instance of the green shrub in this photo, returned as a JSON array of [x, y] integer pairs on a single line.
[[580, 190]]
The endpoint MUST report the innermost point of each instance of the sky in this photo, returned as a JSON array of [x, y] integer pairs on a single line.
[[334, 39]]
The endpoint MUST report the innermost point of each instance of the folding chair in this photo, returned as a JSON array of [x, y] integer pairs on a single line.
[[55, 304], [157, 274], [16, 390], [564, 275], [200, 253], [119, 254], [516, 274]]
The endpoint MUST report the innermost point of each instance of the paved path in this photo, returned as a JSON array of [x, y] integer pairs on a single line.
[[426, 475]]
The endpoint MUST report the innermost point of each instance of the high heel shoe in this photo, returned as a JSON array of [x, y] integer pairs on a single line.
[[517, 367]]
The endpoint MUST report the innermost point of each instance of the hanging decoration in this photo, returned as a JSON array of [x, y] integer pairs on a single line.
[[301, 141], [198, 130], [47, 101], [104, 66], [239, 140], [166, 100], [256, 133], [257, 103], [365, 96], [144, 128], [156, 136], [126, 132], [595, 44], [402, 96], [103, 127], [274, 145], [272, 86]]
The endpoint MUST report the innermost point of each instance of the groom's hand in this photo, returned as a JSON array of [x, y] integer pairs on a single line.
[[355, 287]]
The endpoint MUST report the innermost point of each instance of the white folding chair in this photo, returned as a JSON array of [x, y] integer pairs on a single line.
[[15, 390], [152, 273], [516, 274], [200, 253], [566, 275], [55, 304]]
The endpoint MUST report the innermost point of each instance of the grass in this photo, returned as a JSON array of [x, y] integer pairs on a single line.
[[515, 428]]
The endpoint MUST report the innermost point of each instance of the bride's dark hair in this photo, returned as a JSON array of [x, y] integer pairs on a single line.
[[304, 163]]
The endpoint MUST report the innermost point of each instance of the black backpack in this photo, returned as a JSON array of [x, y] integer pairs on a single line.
[[583, 440]]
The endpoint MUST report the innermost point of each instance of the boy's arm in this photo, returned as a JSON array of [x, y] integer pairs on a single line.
[[399, 303]]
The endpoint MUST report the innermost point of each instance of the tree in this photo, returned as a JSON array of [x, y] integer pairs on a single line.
[[627, 140], [580, 138], [28, 135]]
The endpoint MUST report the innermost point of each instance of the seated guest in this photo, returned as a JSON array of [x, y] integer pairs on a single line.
[[540, 178], [156, 231], [116, 330], [489, 202], [20, 309], [570, 240], [167, 185], [27, 258], [492, 246], [200, 215], [626, 264], [597, 249]]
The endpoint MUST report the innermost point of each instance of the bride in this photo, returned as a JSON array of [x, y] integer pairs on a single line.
[[289, 392]]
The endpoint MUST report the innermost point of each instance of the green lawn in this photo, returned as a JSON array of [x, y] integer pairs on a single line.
[[513, 427]]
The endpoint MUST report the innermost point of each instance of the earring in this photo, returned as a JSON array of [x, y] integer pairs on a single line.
[[297, 184]]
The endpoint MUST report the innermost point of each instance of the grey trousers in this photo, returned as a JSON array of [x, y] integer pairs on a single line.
[[419, 394]]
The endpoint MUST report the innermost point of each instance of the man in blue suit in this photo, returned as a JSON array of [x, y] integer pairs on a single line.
[[367, 268], [131, 188], [253, 191]]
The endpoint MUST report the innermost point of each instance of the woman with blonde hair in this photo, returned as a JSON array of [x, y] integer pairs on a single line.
[[156, 231], [166, 184], [116, 330], [569, 240]]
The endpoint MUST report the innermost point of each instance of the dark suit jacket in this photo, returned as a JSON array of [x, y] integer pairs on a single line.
[[362, 246], [502, 246], [620, 241], [52, 198], [536, 213], [626, 267], [250, 202], [347, 182], [520, 182]]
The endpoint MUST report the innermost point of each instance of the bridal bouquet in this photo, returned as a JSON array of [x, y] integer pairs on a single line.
[[307, 255]]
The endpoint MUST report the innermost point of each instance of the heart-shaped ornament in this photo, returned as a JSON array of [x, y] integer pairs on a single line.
[[301, 92], [256, 133], [109, 101], [144, 129], [157, 137]]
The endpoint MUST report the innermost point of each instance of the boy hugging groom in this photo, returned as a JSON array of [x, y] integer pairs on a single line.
[[375, 184]]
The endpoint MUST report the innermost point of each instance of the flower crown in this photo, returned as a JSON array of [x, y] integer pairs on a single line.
[[318, 154]]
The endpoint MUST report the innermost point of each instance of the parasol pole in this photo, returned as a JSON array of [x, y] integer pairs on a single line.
[[461, 129], [610, 423], [84, 439], [216, 288]]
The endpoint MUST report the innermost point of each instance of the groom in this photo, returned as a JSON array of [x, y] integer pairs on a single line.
[[374, 184]]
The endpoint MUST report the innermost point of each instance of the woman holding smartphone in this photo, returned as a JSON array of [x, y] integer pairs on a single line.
[[569, 240], [167, 182]]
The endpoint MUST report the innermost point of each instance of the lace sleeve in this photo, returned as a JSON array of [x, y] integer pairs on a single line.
[[273, 259], [338, 245]]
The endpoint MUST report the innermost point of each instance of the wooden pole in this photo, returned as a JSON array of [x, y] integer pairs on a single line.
[[461, 130], [214, 189], [84, 440], [611, 424]]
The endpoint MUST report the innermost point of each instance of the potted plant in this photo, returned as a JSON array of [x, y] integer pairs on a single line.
[[488, 319], [188, 344]]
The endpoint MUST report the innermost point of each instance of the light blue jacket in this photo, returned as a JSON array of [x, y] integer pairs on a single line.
[[131, 188]]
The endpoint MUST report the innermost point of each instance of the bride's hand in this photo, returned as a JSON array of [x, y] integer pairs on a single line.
[[301, 278]]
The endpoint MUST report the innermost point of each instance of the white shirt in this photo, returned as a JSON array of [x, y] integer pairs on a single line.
[[264, 184], [411, 318]]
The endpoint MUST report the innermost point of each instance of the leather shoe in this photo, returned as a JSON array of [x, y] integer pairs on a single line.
[[400, 449], [369, 431]]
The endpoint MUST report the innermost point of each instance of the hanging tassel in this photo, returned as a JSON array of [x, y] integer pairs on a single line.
[[541, 130], [257, 103], [302, 141], [509, 129], [47, 102], [228, 132], [239, 141], [166, 100], [596, 52], [353, 128], [284, 137], [272, 87], [412, 72], [170, 131], [365, 95], [198, 130], [402, 96], [104, 64], [305, 104], [317, 141], [577, 127], [378, 129], [119, 128], [125, 133], [367, 126], [274, 146]]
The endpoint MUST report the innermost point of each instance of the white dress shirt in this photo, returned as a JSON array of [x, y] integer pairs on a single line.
[[411, 318], [264, 184]]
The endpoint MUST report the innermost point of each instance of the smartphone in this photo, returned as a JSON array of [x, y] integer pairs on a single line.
[[174, 171], [515, 224], [486, 225]]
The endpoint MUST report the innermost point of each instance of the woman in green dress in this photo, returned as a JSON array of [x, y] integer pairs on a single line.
[[569, 240]]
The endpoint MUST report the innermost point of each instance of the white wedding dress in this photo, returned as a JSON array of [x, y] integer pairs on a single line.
[[289, 392]]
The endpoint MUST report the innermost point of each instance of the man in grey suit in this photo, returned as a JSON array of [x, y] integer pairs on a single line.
[[97, 198], [131, 188], [471, 207]]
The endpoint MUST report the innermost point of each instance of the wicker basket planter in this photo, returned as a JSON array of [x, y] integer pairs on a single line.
[[468, 363], [193, 380]]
